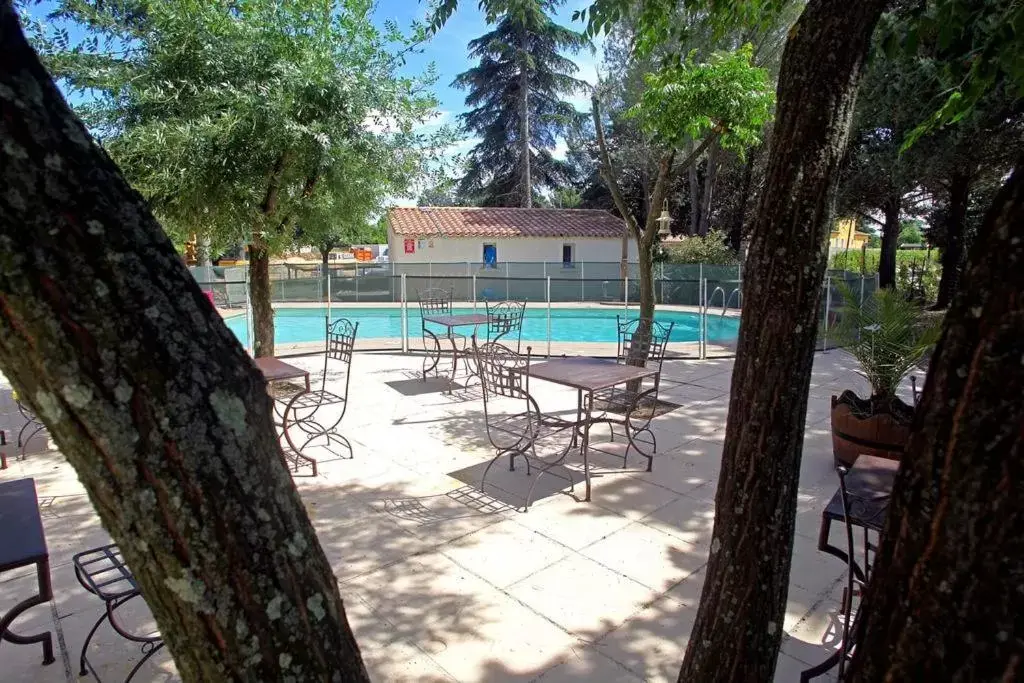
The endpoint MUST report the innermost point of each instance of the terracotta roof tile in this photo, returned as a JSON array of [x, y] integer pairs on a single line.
[[437, 221]]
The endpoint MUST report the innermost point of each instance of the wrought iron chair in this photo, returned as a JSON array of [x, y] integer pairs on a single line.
[[301, 411], [868, 513], [436, 301], [641, 342], [505, 374], [505, 321], [32, 426]]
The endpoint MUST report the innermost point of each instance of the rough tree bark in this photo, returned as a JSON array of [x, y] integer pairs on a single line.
[[154, 402], [707, 192], [259, 267], [890, 242], [946, 603], [736, 232], [524, 115], [694, 185], [959, 196], [738, 626], [646, 236], [260, 298]]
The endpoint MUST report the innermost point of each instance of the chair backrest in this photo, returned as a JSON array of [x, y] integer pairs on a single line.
[[642, 341], [435, 301], [503, 374], [341, 339], [505, 319]]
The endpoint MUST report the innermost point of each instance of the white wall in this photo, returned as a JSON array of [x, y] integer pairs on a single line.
[[524, 249]]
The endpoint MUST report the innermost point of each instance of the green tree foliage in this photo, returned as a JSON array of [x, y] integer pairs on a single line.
[[725, 97], [686, 108], [514, 92], [710, 249], [910, 232], [241, 120]]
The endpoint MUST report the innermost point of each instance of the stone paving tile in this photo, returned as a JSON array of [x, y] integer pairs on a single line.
[[582, 596], [648, 556], [688, 519], [651, 644], [571, 523], [505, 553], [445, 583], [588, 665]]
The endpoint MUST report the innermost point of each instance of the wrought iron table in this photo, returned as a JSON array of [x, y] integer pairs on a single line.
[[869, 487], [22, 544], [102, 572], [587, 376], [449, 322], [276, 370]]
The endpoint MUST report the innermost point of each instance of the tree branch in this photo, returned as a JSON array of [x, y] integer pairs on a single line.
[[607, 172], [870, 218], [658, 196], [700, 149]]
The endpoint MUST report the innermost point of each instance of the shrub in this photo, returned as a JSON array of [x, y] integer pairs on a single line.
[[917, 271], [710, 249]]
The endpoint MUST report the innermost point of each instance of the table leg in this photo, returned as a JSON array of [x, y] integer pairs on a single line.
[[455, 359], [586, 443], [45, 595], [826, 547]]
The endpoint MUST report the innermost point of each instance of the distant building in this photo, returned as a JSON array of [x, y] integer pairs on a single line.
[[845, 236], [490, 236]]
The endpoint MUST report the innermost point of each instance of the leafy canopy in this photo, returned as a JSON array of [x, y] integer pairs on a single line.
[[726, 96], [524, 47], [887, 334], [246, 117]]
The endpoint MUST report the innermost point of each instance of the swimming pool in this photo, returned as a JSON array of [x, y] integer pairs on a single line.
[[294, 325]]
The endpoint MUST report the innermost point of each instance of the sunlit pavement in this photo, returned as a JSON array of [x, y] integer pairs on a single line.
[[444, 583]]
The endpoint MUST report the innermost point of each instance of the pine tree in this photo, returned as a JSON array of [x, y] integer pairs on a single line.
[[514, 93]]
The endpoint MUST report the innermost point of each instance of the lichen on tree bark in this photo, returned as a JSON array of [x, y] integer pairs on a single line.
[[154, 402]]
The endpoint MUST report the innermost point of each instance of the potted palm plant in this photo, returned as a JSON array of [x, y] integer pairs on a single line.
[[889, 336]]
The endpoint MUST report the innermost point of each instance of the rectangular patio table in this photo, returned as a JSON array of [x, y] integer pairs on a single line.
[[22, 543], [450, 322], [869, 484], [276, 370], [587, 376]]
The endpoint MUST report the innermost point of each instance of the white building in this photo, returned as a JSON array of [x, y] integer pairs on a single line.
[[491, 236]]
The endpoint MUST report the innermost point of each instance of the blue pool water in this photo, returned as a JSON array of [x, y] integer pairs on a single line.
[[567, 324]]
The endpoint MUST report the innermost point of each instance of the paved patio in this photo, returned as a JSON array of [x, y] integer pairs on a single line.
[[443, 583]]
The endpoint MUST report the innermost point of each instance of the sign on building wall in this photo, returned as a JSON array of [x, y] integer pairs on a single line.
[[410, 246]]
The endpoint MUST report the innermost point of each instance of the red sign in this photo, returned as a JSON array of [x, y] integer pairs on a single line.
[[410, 246]]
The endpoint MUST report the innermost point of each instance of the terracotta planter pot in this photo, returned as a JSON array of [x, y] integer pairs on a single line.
[[862, 426]]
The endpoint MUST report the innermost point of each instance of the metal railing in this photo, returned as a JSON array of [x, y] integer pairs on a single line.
[[711, 296]]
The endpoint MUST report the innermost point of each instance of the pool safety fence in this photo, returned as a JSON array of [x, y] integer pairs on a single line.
[[713, 292]]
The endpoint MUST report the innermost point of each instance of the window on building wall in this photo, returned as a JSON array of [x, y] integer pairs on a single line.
[[568, 256], [490, 256]]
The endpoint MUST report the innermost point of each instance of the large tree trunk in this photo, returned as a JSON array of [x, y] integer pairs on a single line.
[[710, 176], [260, 298], [738, 627], [646, 268], [946, 600], [154, 402], [890, 243], [524, 122], [959, 196]]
